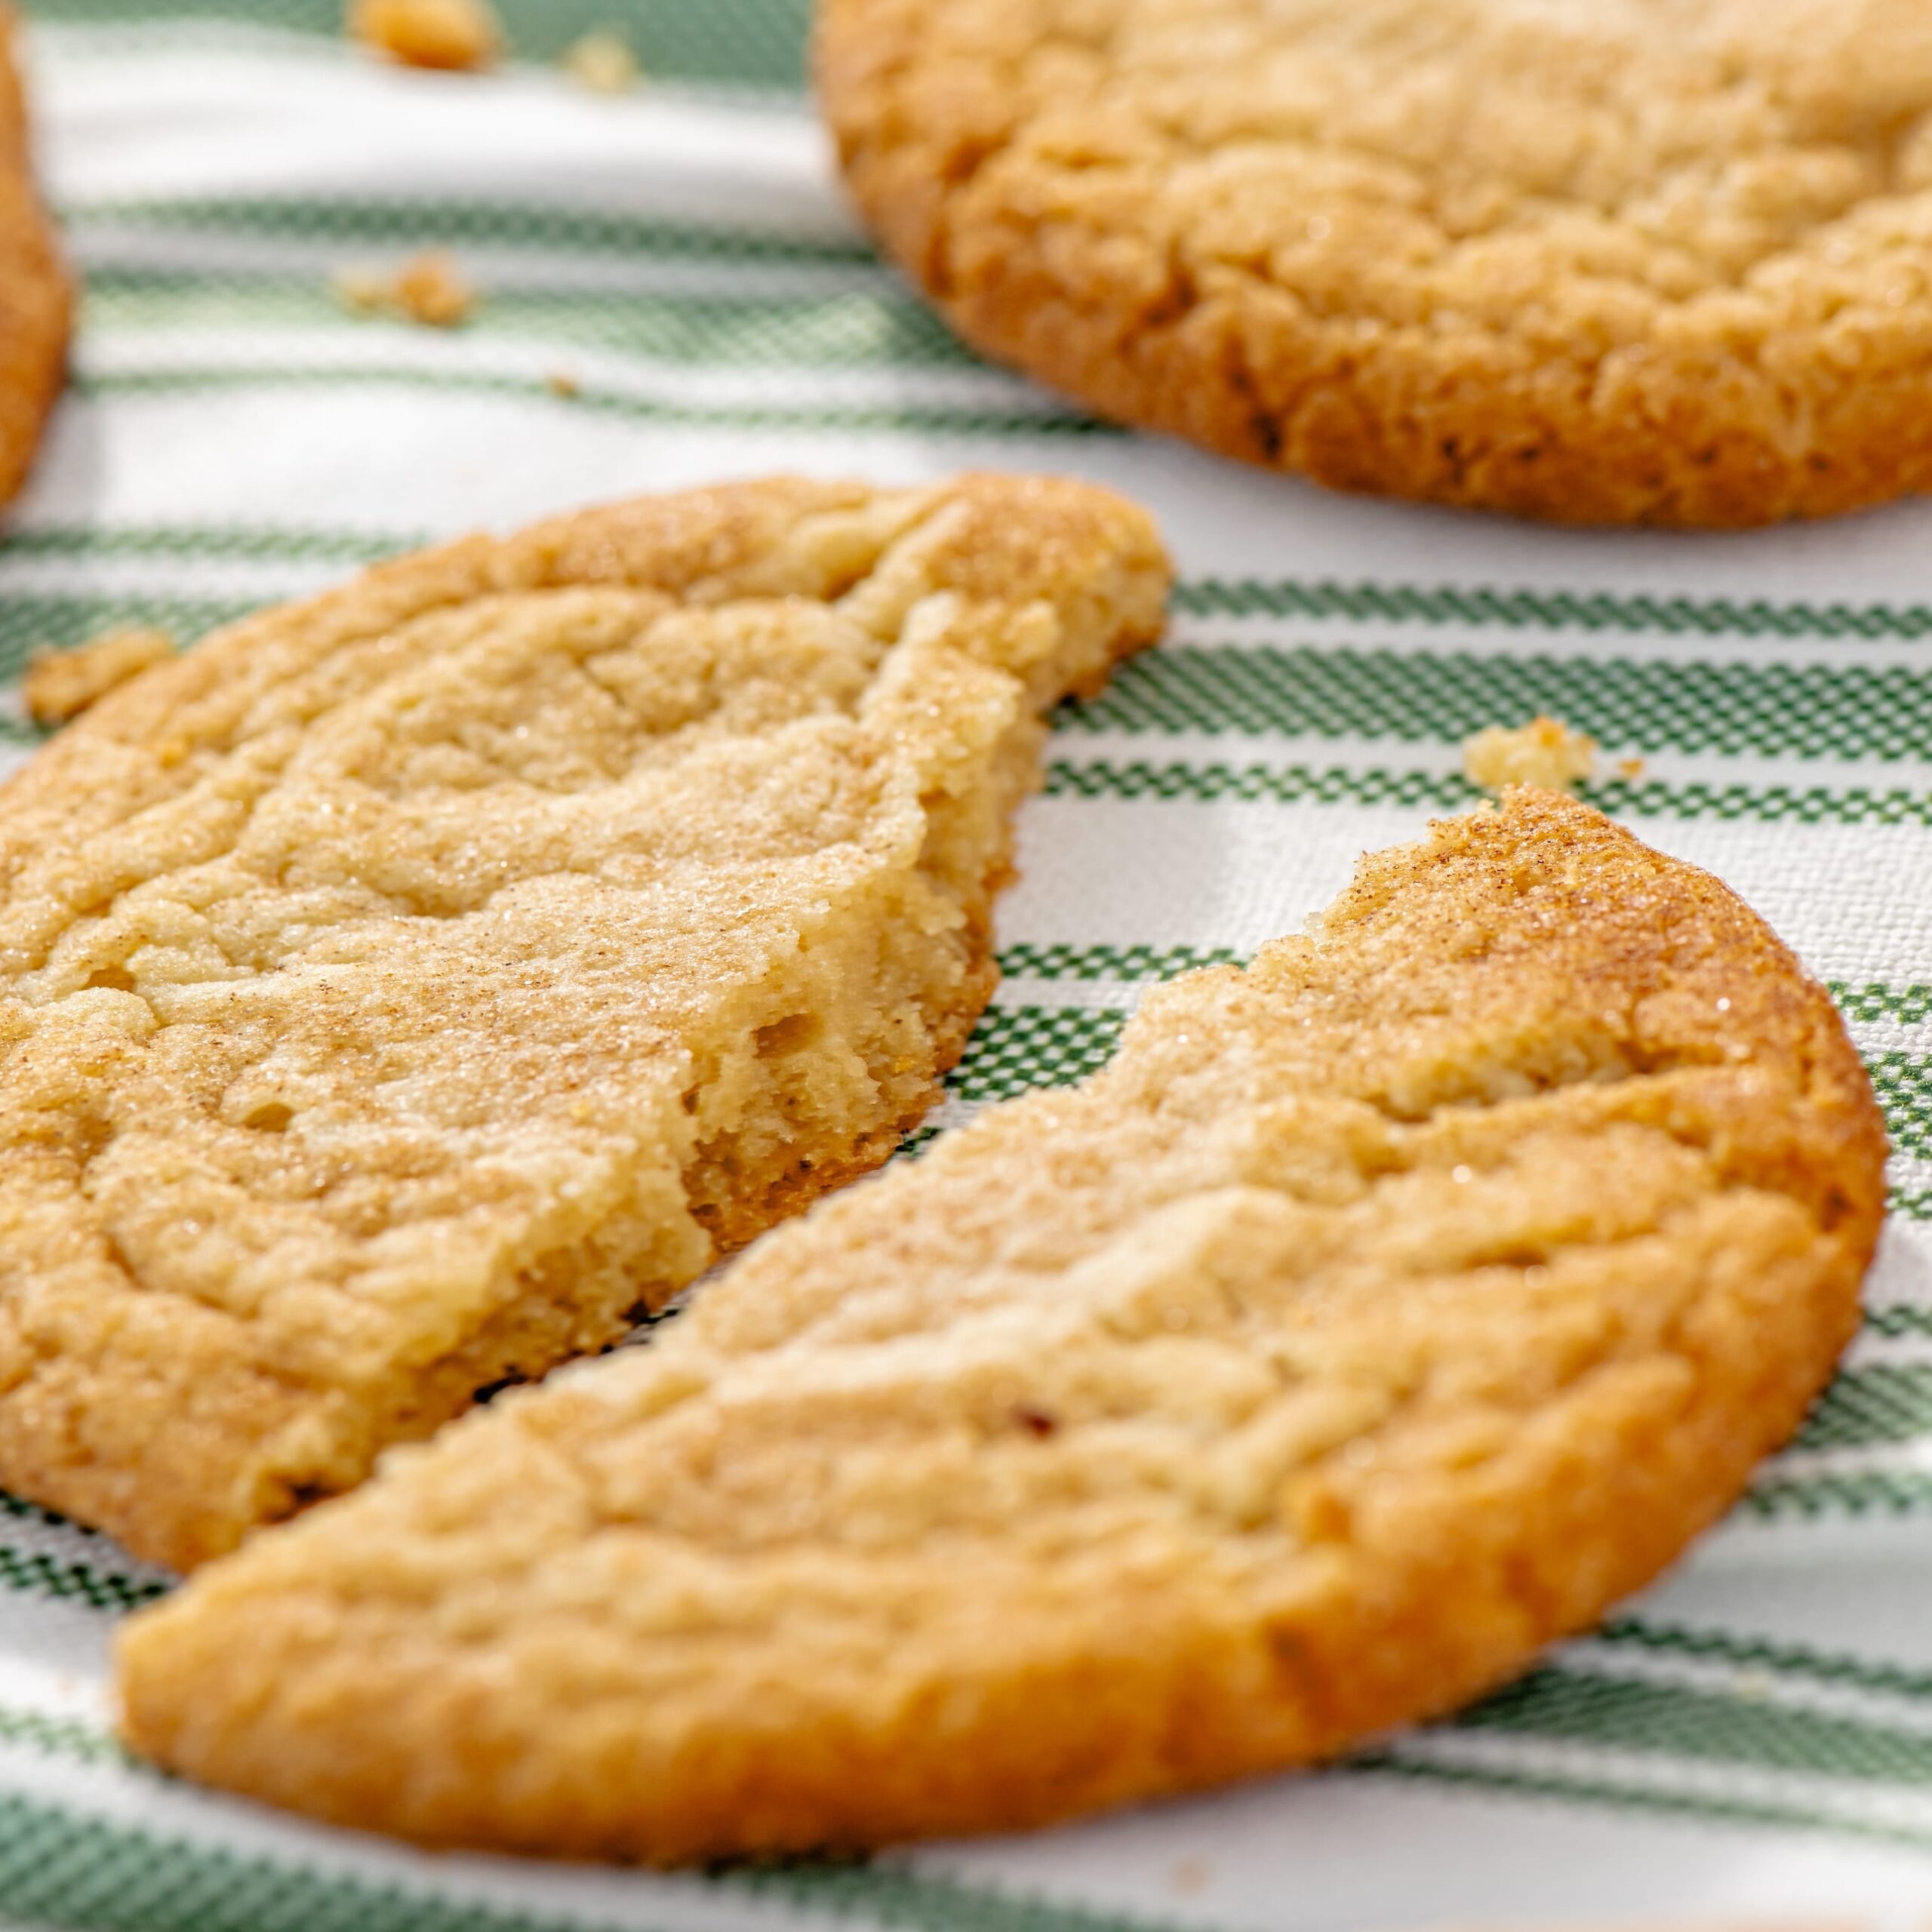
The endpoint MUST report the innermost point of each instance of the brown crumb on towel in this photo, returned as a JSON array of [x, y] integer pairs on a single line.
[[602, 62], [455, 35], [429, 288], [60, 685]]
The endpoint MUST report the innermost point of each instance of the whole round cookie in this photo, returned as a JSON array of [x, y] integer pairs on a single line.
[[34, 299], [1658, 261], [1381, 1313]]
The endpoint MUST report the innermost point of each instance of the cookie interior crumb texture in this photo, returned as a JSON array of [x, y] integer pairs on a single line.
[[455, 35], [1544, 751], [35, 302], [1646, 262], [59, 685], [399, 988], [1381, 1313]]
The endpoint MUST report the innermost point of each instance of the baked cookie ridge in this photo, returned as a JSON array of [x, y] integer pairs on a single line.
[[1384, 1311], [34, 301], [400, 989], [1640, 263]]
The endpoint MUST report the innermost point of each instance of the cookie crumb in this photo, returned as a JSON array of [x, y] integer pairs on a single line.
[[59, 685], [1630, 768], [1544, 751], [1504, 956], [454, 36], [602, 62], [360, 291], [429, 288], [561, 382], [1188, 1876]]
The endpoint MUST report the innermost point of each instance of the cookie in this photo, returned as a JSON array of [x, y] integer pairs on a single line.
[[34, 300], [400, 990], [1639, 263], [1381, 1313]]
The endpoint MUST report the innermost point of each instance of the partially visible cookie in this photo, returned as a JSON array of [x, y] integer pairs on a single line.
[[1382, 1313], [400, 989], [34, 300], [1644, 262]]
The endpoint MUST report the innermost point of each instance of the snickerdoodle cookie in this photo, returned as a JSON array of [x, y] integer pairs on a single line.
[[400, 989], [1382, 1313], [1662, 261]]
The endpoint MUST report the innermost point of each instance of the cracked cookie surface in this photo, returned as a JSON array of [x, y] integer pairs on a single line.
[[399, 988], [1663, 261], [1382, 1313], [34, 299]]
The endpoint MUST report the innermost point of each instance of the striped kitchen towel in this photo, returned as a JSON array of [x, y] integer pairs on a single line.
[[674, 293]]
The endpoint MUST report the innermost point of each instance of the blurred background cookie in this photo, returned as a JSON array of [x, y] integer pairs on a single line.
[[1645, 262]]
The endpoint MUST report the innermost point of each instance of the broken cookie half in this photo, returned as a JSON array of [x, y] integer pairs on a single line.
[[1382, 1313], [401, 988]]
